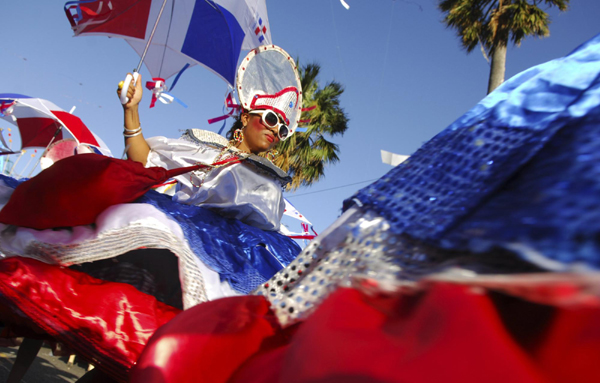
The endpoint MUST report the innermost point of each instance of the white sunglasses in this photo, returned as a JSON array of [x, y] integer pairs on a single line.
[[270, 119]]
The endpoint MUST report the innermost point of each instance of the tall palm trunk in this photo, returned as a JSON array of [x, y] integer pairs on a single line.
[[498, 67], [495, 23]]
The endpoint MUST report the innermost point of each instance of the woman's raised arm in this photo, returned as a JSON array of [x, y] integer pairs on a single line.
[[135, 145]]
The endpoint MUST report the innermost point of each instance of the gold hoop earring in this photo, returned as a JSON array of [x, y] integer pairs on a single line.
[[238, 135]]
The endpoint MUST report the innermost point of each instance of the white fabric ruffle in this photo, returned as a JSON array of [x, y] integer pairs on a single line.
[[118, 230]]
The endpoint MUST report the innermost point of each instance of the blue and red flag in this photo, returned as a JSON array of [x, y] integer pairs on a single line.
[[207, 32]]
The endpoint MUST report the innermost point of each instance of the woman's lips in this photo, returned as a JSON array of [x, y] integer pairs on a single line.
[[270, 137]]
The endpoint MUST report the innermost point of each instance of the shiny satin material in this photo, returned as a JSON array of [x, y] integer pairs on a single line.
[[101, 182], [107, 323], [206, 343], [238, 191], [243, 255], [443, 333]]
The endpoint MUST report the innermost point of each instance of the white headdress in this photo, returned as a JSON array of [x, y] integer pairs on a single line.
[[267, 78]]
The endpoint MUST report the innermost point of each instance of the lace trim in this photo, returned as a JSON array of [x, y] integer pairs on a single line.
[[113, 243], [206, 137]]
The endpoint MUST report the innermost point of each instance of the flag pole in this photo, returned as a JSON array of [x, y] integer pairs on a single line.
[[28, 162], [151, 36], [9, 147], [134, 77], [16, 162]]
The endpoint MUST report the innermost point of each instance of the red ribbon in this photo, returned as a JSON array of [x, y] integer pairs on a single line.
[[229, 103], [306, 110], [179, 171], [4, 106], [171, 182], [157, 87], [305, 234]]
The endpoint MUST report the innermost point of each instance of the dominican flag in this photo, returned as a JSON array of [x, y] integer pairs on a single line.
[[207, 32]]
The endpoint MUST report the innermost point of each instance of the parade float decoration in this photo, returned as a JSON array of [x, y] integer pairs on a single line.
[[43, 124]]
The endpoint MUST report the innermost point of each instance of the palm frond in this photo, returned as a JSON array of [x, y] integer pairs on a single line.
[[497, 22], [305, 155]]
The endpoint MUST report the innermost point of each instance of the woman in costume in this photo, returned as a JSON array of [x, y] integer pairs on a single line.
[[477, 260], [258, 200], [221, 224]]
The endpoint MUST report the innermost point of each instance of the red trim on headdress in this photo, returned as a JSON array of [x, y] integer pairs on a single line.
[[276, 95]]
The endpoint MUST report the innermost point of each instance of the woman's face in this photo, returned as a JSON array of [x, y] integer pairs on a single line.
[[258, 137]]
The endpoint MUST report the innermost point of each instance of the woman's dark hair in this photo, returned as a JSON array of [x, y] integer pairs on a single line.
[[236, 125]]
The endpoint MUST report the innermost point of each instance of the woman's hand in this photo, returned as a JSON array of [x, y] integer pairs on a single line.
[[135, 145], [134, 93]]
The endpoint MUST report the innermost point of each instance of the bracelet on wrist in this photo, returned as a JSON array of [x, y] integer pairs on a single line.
[[132, 131], [139, 131]]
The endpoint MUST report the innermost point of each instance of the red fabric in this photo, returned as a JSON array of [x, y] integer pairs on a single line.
[[206, 343], [448, 334], [445, 335], [37, 132], [128, 18], [571, 351], [76, 189], [105, 322], [77, 128]]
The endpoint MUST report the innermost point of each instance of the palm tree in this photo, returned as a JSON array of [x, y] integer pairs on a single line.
[[493, 23], [305, 154]]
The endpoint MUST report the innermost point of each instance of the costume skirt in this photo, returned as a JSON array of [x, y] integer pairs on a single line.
[[47, 287], [217, 256]]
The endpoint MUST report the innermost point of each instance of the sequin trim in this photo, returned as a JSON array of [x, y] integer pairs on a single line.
[[362, 250]]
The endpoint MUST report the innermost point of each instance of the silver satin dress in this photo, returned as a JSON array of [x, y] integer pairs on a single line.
[[242, 191]]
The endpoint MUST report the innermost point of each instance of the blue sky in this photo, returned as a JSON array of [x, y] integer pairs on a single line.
[[405, 76]]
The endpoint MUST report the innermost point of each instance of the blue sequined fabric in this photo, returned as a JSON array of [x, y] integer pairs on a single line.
[[519, 171], [243, 255]]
